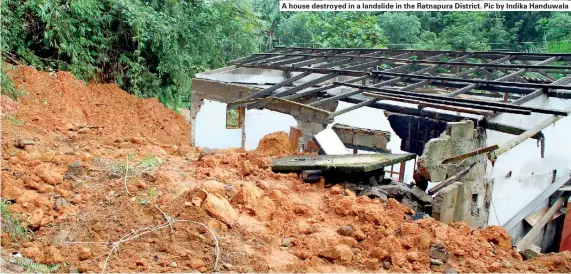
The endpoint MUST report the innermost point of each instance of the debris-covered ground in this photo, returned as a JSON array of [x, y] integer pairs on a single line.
[[107, 181]]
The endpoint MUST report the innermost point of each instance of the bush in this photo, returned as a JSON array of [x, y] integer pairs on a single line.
[[150, 48]]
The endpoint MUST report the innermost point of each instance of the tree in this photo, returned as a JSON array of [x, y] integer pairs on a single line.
[[295, 31], [400, 28], [556, 27], [346, 30]]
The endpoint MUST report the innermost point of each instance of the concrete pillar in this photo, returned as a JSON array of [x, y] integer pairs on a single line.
[[196, 102], [308, 130], [473, 194], [444, 203]]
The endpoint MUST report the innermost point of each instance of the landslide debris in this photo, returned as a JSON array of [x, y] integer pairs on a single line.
[[73, 191]]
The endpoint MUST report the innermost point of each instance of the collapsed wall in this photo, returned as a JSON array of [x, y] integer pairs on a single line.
[[469, 199]]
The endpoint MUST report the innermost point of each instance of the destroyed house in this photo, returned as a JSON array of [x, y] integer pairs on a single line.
[[487, 131]]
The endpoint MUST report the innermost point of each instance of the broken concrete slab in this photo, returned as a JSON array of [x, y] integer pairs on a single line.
[[329, 142], [345, 163], [367, 139]]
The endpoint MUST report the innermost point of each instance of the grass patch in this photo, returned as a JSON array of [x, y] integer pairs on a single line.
[[30, 266], [14, 120], [13, 224]]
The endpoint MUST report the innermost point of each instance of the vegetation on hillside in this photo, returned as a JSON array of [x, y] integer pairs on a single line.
[[153, 48]]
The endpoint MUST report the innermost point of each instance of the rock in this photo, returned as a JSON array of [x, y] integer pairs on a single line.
[[36, 218], [438, 252], [141, 262], [375, 193], [358, 234], [350, 193], [63, 192], [173, 264], [451, 271], [196, 201], [506, 264], [413, 256], [196, 263], [22, 143], [50, 176], [32, 252], [532, 251], [386, 265], [84, 267], [436, 262], [372, 264], [75, 169], [336, 190], [84, 253], [73, 270], [345, 230], [46, 220], [287, 242], [213, 186], [265, 209], [495, 267], [77, 199], [61, 236], [263, 185], [248, 194], [59, 203], [228, 266], [339, 252], [53, 255], [204, 153], [138, 141], [202, 269], [220, 209]]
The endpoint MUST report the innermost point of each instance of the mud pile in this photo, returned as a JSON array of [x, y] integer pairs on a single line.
[[275, 144], [100, 201], [59, 102]]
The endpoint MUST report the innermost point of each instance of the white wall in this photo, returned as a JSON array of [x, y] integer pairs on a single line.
[[210, 128], [262, 122], [530, 174]]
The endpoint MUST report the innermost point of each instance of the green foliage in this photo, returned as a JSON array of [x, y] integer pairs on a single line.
[[14, 119], [31, 266], [400, 28], [557, 27], [13, 224], [150, 162], [559, 47], [346, 30], [153, 48], [294, 30], [150, 48], [7, 85]]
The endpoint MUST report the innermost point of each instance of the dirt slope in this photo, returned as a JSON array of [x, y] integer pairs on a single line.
[[59, 102], [71, 187]]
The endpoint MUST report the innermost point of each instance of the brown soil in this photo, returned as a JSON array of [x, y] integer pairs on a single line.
[[263, 221], [274, 144], [58, 102]]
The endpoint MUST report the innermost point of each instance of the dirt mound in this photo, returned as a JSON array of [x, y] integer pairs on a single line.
[[59, 102], [275, 144]]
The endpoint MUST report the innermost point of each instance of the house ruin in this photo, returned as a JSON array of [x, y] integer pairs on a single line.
[[489, 129]]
